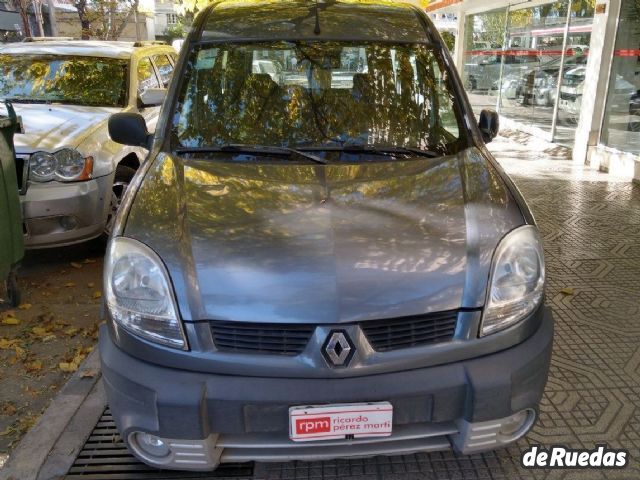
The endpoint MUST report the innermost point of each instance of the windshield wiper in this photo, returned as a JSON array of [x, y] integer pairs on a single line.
[[259, 149], [387, 150], [27, 100]]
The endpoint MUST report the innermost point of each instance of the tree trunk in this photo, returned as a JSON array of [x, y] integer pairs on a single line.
[[37, 10], [120, 28], [85, 23], [22, 7], [25, 23]]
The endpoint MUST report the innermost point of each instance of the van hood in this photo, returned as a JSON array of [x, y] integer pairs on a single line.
[[282, 242], [50, 127]]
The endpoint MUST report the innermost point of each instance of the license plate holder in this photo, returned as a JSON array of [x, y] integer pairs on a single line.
[[331, 422]]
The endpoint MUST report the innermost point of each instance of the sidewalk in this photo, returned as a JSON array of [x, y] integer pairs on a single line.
[[591, 230]]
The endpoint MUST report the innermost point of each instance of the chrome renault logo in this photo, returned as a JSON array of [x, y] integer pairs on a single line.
[[338, 349]]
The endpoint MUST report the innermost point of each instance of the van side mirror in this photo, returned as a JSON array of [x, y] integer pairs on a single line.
[[129, 129], [489, 124], [152, 97]]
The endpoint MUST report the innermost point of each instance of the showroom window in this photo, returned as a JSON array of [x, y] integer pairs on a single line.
[[621, 127], [515, 58]]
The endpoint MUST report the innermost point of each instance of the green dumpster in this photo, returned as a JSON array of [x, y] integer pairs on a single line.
[[11, 239]]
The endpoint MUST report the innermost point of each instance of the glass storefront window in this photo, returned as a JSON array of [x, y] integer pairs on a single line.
[[621, 127], [513, 60], [529, 83], [484, 34]]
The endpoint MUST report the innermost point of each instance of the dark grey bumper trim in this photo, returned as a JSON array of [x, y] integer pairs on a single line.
[[187, 404]]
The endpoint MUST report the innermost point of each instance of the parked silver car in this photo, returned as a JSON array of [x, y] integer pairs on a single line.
[[482, 71], [619, 101], [313, 268], [71, 175]]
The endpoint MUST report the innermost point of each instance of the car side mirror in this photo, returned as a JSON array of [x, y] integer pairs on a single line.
[[152, 97], [489, 124], [129, 129]]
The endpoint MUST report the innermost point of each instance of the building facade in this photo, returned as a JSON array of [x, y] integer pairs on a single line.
[[165, 17], [565, 71]]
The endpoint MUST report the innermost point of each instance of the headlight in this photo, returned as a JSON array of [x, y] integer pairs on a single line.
[[138, 293], [42, 167], [72, 166], [65, 165], [516, 284]]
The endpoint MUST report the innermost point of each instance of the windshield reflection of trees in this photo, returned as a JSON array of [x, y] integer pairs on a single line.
[[297, 19], [397, 95], [57, 78]]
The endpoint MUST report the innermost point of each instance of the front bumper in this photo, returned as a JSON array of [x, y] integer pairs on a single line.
[[207, 418], [57, 214]]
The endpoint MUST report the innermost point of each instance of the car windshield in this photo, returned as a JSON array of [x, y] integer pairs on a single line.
[[315, 94], [77, 80]]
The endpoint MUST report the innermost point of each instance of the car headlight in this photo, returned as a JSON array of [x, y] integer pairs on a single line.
[[42, 167], [65, 165], [139, 295], [72, 165], [516, 284]]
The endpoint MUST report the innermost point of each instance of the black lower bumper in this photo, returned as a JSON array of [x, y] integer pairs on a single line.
[[179, 404]]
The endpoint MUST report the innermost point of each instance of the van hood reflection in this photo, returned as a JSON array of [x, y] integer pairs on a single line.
[[284, 242]]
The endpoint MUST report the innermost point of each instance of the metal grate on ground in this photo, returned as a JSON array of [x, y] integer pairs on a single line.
[[105, 457]]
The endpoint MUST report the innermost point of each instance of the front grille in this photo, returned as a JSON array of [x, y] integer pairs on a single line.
[[291, 339], [269, 338], [21, 173], [405, 332]]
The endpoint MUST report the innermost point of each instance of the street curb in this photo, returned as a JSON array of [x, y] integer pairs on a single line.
[[63, 454], [27, 459]]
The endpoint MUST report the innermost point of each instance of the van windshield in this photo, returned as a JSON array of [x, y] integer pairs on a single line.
[[315, 94]]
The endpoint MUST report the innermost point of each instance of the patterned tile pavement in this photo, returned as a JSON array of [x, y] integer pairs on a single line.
[[591, 228]]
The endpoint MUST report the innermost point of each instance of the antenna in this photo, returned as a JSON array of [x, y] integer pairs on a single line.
[[316, 30]]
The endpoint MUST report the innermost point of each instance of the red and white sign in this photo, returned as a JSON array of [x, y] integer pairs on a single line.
[[328, 422]]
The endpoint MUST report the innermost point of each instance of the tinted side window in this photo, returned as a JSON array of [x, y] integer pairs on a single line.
[[146, 75], [165, 69]]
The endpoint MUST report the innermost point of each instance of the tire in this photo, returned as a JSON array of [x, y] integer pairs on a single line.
[[121, 182]]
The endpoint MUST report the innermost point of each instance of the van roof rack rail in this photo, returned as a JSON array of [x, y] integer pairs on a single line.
[[47, 39], [145, 43]]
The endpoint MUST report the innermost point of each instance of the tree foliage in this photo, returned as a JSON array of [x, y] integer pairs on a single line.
[[174, 31], [449, 40], [105, 19]]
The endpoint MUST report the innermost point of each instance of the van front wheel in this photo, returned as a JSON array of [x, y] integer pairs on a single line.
[[121, 182]]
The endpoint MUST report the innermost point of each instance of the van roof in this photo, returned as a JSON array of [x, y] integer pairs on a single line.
[[381, 20]]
